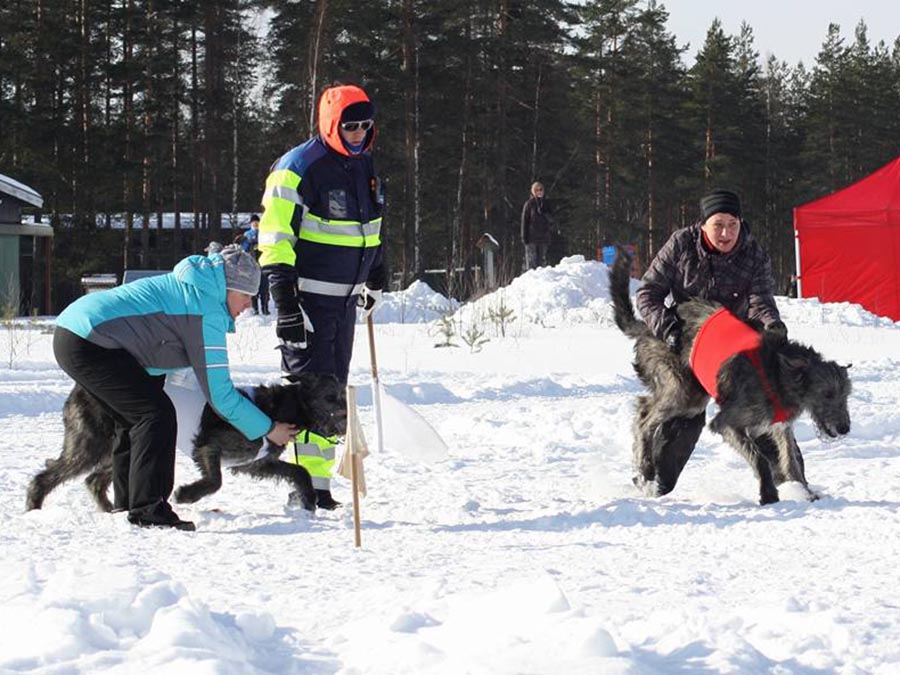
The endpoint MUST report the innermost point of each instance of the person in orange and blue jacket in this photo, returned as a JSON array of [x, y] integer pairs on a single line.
[[320, 248]]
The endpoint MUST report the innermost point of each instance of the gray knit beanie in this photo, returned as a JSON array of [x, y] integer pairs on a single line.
[[241, 270]]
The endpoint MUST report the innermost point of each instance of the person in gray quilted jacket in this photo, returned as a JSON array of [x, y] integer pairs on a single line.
[[715, 259]]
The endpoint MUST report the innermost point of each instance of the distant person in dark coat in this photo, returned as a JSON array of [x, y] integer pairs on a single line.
[[536, 225]]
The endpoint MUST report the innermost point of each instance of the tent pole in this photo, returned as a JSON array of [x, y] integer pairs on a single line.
[[797, 257]]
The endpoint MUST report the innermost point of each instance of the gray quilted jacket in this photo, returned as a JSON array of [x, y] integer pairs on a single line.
[[740, 280]]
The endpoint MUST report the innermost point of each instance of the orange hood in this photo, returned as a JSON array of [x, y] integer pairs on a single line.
[[332, 104]]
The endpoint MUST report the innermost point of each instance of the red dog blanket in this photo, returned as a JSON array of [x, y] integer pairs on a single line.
[[722, 336]]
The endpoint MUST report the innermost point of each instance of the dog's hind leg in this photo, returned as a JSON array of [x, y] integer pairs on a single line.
[[74, 460], [678, 436], [209, 463], [98, 482], [294, 474], [643, 470], [768, 493]]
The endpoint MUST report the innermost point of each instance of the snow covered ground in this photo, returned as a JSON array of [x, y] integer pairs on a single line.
[[527, 551]]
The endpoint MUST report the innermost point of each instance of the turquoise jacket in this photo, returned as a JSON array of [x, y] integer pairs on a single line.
[[170, 322]]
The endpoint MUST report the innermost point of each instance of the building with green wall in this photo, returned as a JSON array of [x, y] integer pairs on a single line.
[[25, 251]]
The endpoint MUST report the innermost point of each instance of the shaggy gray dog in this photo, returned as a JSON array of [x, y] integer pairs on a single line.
[[670, 418], [314, 401]]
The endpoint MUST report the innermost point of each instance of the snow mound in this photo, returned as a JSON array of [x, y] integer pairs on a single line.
[[95, 618], [417, 304], [576, 291]]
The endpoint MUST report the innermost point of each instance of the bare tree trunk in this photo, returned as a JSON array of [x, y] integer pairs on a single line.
[[610, 138], [146, 150], [195, 143], [409, 248], [80, 187], [107, 99], [213, 89], [418, 263], [535, 124], [315, 45], [598, 170], [460, 230], [176, 116], [236, 115], [651, 193], [128, 106], [709, 150], [502, 141]]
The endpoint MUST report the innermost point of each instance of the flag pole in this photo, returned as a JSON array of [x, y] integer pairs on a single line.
[[376, 386], [352, 443]]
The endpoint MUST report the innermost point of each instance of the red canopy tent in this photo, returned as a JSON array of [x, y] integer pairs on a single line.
[[848, 244]]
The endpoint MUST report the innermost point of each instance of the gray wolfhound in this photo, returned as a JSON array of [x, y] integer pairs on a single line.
[[760, 393], [314, 401]]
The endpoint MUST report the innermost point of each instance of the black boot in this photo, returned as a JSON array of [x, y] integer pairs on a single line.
[[324, 500], [159, 515]]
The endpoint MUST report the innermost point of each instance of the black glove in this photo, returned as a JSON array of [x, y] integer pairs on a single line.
[[368, 300], [777, 330], [673, 337], [290, 328]]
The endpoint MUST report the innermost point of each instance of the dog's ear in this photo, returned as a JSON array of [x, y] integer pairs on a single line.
[[796, 366]]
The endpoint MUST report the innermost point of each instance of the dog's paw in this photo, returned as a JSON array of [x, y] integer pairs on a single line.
[[184, 496], [297, 499], [768, 498]]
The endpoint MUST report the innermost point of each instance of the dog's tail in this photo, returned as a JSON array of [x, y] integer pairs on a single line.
[[619, 290]]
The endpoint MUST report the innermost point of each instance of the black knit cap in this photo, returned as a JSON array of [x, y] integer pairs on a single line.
[[720, 201], [357, 112]]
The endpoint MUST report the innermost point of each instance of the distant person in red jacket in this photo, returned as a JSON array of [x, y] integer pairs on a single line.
[[536, 225]]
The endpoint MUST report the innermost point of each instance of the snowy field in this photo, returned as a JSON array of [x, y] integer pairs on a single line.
[[526, 552]]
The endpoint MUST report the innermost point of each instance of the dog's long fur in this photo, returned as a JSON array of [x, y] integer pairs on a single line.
[[670, 418], [314, 401]]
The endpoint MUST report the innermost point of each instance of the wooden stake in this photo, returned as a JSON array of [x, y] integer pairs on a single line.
[[352, 442]]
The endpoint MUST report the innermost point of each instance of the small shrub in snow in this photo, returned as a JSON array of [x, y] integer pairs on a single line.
[[501, 316], [474, 337], [445, 329]]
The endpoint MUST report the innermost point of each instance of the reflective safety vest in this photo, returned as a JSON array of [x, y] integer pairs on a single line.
[[314, 453]]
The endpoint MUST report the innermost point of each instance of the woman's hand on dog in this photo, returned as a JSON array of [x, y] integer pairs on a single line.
[[282, 433]]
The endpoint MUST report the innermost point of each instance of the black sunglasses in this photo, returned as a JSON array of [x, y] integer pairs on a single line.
[[364, 125]]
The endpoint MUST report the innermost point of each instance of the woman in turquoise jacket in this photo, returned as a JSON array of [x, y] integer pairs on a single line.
[[119, 344]]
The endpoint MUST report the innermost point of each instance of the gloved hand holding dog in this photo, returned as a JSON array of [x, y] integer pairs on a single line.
[[673, 339], [369, 300], [777, 330]]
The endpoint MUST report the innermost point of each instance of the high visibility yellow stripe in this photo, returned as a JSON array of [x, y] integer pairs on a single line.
[[341, 239], [285, 177], [280, 200]]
